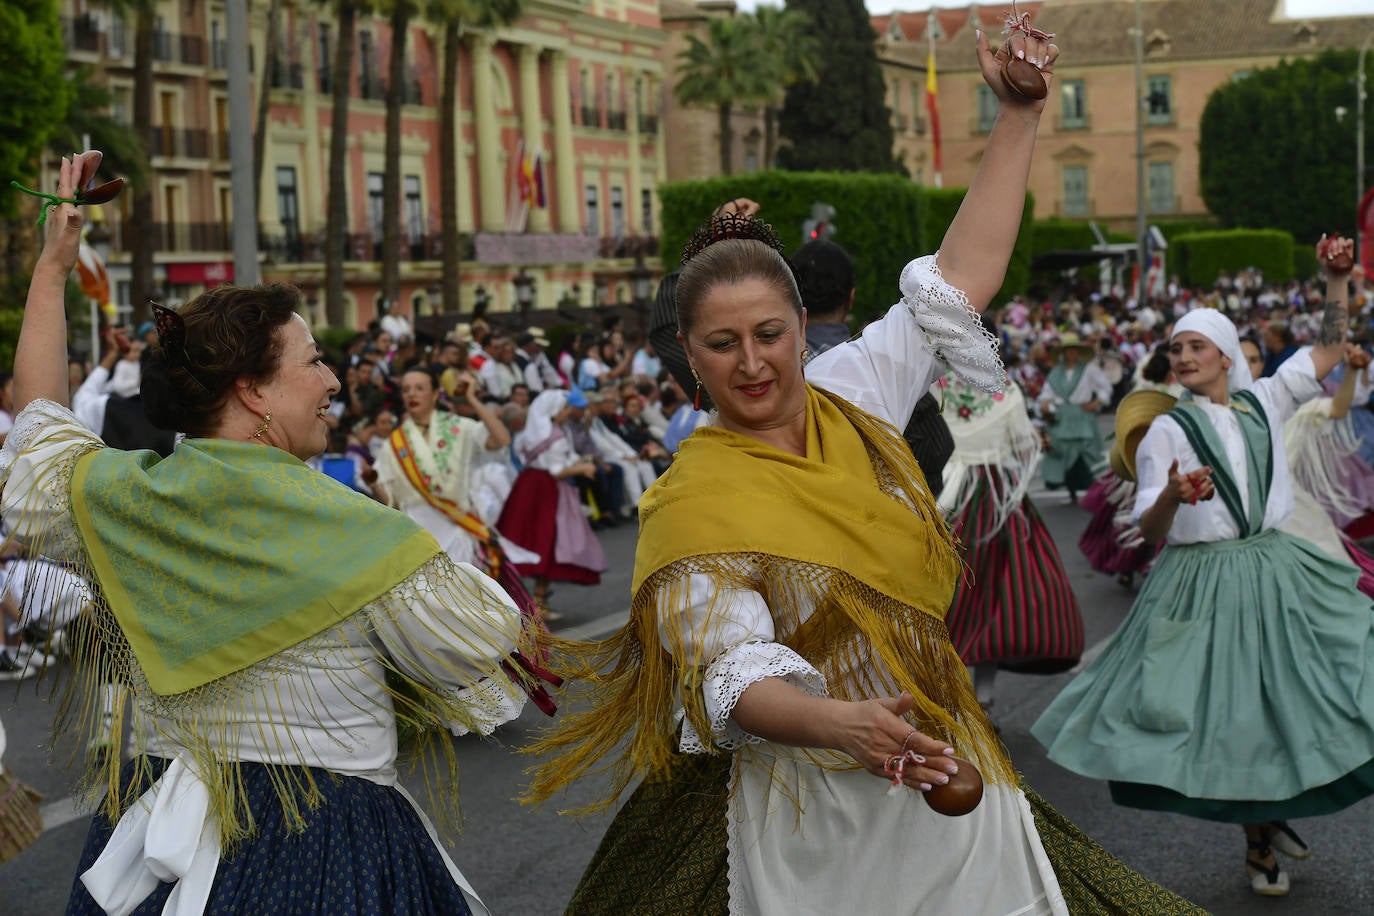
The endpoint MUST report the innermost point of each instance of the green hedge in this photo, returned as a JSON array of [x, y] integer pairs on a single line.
[[883, 221], [1198, 257]]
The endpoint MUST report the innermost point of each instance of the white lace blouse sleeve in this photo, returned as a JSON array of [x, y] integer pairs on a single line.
[[450, 626], [36, 472], [932, 329], [734, 629]]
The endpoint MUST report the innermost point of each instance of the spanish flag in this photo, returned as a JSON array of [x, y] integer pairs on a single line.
[[933, 107]]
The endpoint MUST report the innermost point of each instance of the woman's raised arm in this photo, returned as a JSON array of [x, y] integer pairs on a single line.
[[978, 243], [40, 360]]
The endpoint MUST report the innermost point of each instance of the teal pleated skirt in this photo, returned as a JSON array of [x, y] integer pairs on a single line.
[[1240, 688]]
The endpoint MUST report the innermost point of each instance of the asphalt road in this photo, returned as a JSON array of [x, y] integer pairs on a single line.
[[527, 861]]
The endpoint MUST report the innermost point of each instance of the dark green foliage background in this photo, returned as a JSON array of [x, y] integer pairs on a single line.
[[883, 221], [841, 122], [1199, 257], [33, 94], [1273, 154]]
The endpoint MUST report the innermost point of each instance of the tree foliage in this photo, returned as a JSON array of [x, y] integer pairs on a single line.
[[722, 72], [34, 93], [840, 122], [1274, 154]]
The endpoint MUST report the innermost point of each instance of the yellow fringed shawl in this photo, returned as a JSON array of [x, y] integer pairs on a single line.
[[849, 532]]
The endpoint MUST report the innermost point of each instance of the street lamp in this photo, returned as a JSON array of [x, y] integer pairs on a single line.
[[480, 302], [524, 295]]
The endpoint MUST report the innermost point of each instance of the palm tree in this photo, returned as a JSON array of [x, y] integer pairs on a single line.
[[336, 219], [454, 15], [141, 239], [88, 116], [272, 39], [401, 13], [787, 50], [722, 72]]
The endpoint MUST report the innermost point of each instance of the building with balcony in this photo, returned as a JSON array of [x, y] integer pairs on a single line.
[[572, 85], [1085, 161]]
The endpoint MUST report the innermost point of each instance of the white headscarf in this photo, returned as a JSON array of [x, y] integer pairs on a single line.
[[539, 422], [1217, 328]]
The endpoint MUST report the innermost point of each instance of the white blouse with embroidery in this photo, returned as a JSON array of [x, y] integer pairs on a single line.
[[777, 856]]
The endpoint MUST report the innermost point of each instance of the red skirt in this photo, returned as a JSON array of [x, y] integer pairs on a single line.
[[531, 518], [1015, 605], [1101, 540]]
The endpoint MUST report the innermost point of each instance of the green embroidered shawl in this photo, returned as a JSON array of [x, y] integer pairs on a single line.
[[228, 552]]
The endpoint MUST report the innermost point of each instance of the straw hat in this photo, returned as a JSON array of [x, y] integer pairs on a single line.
[[1134, 415], [1071, 341]]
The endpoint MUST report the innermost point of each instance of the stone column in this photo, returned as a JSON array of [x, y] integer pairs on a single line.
[[633, 182], [564, 168], [531, 125], [491, 179]]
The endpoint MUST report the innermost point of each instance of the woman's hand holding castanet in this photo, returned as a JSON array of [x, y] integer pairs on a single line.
[[1021, 71], [873, 732], [64, 222], [1190, 488]]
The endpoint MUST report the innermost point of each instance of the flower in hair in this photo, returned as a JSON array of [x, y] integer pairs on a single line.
[[731, 226]]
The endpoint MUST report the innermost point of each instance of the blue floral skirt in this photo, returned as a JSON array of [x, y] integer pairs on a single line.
[[364, 851]]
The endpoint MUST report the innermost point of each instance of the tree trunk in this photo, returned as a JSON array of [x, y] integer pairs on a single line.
[[142, 239], [264, 101], [727, 140], [770, 135], [391, 172], [448, 168], [336, 222]]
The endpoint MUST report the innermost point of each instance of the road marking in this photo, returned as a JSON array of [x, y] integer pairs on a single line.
[[58, 813], [596, 629], [1093, 652]]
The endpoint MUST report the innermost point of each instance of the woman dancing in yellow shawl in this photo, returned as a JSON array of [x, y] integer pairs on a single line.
[[786, 639]]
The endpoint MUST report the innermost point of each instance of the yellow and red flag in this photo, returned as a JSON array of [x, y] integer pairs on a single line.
[[933, 106]]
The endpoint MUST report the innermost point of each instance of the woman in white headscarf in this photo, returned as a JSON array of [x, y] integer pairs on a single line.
[[1241, 687], [543, 513]]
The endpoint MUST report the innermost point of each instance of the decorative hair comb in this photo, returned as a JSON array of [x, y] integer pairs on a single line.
[[171, 338], [732, 226]]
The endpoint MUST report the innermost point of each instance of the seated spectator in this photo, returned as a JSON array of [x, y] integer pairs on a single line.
[[592, 367], [384, 424], [532, 359], [646, 365], [651, 396], [638, 472], [520, 394], [635, 431], [604, 492], [499, 373]]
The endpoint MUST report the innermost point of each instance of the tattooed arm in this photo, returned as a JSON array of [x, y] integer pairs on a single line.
[[1329, 348]]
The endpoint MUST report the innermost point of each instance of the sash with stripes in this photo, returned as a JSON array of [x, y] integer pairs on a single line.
[[1259, 456], [468, 521]]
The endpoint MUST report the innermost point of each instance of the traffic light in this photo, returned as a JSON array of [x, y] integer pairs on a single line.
[[820, 225]]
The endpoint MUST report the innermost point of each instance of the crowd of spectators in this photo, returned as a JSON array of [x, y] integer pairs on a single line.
[[1129, 339]]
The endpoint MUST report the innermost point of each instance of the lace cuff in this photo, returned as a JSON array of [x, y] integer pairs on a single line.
[[953, 329], [730, 675], [490, 704]]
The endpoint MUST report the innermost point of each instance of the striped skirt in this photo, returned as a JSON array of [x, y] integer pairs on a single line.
[[1015, 605]]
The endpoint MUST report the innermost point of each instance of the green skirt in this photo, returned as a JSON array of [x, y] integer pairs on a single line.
[[1240, 688], [665, 855]]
